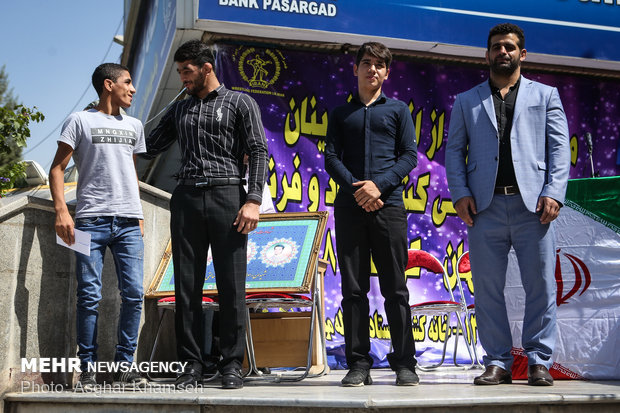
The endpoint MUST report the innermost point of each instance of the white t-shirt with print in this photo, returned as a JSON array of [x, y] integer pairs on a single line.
[[103, 148]]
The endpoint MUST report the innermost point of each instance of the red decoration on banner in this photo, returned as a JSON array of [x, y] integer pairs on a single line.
[[557, 371], [580, 275]]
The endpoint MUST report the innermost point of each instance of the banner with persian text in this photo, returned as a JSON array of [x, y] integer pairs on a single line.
[[296, 90]]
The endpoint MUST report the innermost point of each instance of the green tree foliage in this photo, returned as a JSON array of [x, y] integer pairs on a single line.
[[6, 95], [14, 130]]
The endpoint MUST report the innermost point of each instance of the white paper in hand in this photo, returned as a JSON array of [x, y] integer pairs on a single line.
[[82, 242]]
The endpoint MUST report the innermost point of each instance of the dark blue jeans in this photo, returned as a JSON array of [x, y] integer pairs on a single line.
[[123, 237]]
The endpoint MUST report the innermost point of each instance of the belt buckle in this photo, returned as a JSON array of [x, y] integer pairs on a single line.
[[510, 190], [202, 182], [503, 190]]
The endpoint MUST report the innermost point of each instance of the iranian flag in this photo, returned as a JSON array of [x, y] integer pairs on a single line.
[[588, 281]]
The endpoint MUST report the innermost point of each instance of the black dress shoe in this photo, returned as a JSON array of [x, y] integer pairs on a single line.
[[494, 375], [538, 375], [232, 380], [188, 379]]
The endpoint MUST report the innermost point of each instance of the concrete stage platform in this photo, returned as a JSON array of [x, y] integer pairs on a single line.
[[447, 390]]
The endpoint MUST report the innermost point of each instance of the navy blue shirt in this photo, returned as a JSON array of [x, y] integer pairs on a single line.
[[375, 142]]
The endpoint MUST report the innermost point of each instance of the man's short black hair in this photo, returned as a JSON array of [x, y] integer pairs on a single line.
[[196, 51], [507, 28], [375, 49], [105, 71]]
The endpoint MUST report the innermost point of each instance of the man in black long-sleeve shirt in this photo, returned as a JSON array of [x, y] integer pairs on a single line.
[[370, 148], [209, 206]]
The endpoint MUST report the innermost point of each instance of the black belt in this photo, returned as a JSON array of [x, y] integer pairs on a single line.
[[507, 190], [206, 182]]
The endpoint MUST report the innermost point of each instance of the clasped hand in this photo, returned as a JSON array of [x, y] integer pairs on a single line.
[[368, 196]]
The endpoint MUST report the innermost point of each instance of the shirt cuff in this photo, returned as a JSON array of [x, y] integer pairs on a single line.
[[255, 197]]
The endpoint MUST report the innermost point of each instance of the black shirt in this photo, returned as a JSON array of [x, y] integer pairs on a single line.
[[214, 133], [504, 112], [375, 142]]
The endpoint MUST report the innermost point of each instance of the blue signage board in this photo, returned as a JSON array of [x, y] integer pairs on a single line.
[[576, 28]]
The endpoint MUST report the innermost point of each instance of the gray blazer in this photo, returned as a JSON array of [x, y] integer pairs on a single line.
[[540, 145]]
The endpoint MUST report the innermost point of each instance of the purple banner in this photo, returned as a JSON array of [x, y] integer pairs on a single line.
[[296, 90]]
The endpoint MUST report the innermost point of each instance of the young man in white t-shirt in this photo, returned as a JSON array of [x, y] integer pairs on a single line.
[[103, 143]]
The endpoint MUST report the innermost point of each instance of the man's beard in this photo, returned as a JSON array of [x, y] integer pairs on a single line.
[[197, 85], [505, 70]]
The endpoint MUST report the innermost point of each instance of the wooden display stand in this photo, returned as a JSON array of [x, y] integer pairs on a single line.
[[281, 338]]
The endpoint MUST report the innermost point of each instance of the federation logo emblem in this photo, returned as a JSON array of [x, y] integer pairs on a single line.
[[260, 68]]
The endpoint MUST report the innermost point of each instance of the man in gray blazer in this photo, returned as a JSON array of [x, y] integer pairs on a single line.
[[507, 163]]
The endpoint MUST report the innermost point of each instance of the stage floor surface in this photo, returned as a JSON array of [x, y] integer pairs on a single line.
[[442, 390]]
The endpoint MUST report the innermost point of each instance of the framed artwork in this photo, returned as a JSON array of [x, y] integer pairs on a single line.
[[282, 256]]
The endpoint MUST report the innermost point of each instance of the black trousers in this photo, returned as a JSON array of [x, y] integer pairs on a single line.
[[384, 234], [203, 217]]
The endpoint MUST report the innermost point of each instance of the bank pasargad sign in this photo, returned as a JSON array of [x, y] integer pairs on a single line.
[[313, 8]]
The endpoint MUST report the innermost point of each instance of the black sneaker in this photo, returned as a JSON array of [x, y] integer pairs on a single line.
[[129, 379], [406, 377], [356, 378], [86, 382]]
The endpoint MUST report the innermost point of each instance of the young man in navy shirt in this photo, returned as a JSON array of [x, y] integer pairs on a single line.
[[370, 148]]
